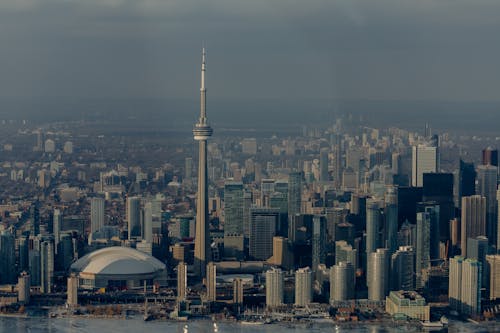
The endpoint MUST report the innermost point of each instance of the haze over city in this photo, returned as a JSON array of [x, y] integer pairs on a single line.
[[212, 166]]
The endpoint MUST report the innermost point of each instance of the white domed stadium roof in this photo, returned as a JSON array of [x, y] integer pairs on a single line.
[[117, 260]]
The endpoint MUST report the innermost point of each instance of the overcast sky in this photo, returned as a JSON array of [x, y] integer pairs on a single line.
[[263, 49]]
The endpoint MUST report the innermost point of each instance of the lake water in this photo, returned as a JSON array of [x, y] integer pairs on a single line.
[[82, 325]]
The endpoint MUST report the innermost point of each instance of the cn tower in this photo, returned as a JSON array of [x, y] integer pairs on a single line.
[[202, 132]]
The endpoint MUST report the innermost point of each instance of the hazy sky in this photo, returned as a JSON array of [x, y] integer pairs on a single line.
[[285, 50]]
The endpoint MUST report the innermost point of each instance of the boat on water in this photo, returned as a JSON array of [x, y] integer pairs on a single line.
[[185, 329], [252, 322], [432, 325], [444, 321], [216, 329]]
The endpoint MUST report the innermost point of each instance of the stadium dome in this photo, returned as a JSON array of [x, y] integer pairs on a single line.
[[118, 267]]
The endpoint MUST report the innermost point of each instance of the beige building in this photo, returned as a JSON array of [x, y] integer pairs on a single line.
[[408, 303], [494, 270], [211, 282]]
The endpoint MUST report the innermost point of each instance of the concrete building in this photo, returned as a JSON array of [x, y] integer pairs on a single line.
[[455, 282], [424, 160], [408, 303], [342, 282], [345, 253], [237, 291], [249, 146], [72, 299], [211, 282], [323, 164], [464, 291], [303, 286], [274, 287], [181, 281], [372, 226], [494, 275], [473, 219], [378, 275], [23, 288], [471, 287]]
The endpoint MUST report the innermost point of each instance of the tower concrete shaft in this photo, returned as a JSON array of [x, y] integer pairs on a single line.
[[202, 132]]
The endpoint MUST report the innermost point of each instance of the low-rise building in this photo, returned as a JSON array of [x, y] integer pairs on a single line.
[[408, 303]]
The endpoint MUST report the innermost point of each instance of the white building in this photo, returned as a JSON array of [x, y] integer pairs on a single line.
[[424, 160], [274, 287], [303, 286]]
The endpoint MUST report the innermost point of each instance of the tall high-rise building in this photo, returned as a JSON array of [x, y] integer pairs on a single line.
[[467, 180], [342, 282], [34, 219], [147, 233], [424, 159], [455, 282], [274, 287], [478, 248], [56, 225], [24, 254], [464, 291], [473, 219], [96, 215], [403, 269], [247, 204], [188, 168], [498, 221], [427, 237], [134, 217], [345, 253], [8, 273], [202, 132], [294, 193], [337, 160], [262, 230], [238, 291], [323, 164], [378, 275], [46, 266], [372, 226], [181, 281], [211, 282], [490, 156], [303, 286], [438, 187], [487, 187], [233, 217], [391, 219], [494, 275], [471, 287], [23, 288], [318, 241], [72, 299]]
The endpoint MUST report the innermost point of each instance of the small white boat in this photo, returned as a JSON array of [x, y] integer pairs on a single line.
[[216, 329], [432, 325], [185, 330]]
